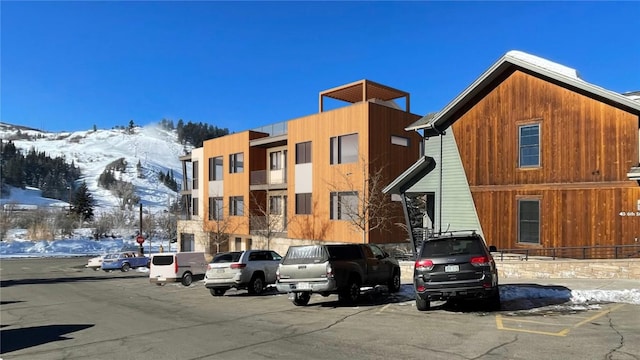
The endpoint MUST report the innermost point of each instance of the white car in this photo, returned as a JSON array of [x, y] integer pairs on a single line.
[[95, 263]]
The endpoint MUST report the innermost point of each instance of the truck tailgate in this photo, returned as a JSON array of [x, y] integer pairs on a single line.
[[303, 272]]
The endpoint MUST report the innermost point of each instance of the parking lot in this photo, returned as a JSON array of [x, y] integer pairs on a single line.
[[56, 309]]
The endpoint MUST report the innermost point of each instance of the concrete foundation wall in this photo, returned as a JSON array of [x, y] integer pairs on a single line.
[[556, 269]]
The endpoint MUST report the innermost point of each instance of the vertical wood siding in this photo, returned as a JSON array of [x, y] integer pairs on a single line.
[[374, 125], [586, 149]]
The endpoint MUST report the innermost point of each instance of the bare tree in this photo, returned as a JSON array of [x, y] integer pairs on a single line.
[[267, 220], [168, 225], [126, 194], [311, 227], [217, 229], [364, 205], [6, 222]]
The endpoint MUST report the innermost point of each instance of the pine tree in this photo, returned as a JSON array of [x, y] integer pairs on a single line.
[[83, 203]]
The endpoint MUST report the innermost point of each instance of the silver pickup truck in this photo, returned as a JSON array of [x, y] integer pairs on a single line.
[[335, 269]]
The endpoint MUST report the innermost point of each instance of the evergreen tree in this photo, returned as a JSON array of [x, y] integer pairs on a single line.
[[82, 203]]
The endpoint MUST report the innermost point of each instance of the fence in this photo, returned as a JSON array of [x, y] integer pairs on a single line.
[[577, 252]]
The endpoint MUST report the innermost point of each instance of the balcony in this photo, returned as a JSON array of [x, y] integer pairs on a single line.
[[268, 179], [267, 225]]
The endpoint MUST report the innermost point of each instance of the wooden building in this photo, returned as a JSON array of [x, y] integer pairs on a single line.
[[302, 180], [532, 156]]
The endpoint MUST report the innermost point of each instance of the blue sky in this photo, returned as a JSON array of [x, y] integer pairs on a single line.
[[240, 65]]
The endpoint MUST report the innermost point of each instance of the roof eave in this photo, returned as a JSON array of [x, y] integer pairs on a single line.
[[409, 177], [497, 69]]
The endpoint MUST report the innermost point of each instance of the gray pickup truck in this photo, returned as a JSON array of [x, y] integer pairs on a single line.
[[335, 269]]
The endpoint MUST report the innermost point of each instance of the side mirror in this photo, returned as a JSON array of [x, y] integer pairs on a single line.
[[493, 248]]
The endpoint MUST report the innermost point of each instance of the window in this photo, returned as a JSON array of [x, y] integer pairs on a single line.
[[529, 221], [399, 140], [529, 145], [194, 203], [215, 168], [344, 149], [276, 160], [194, 173], [344, 205], [215, 208], [303, 204], [236, 207], [236, 163], [275, 205], [187, 242], [303, 152]]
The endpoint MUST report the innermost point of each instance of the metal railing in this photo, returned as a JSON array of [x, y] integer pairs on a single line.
[[574, 252]]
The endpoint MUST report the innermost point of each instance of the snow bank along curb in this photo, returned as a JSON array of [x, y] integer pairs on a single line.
[[556, 269]]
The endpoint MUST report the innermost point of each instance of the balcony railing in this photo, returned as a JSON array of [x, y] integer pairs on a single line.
[[268, 177], [273, 129], [261, 224]]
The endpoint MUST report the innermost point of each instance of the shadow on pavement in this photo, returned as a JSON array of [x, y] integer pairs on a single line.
[[17, 339], [70, 279]]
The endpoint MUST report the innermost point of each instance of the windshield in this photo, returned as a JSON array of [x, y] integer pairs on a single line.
[[227, 257], [305, 255], [111, 256], [451, 246]]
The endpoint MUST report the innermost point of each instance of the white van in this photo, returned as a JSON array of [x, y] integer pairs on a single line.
[[174, 267]]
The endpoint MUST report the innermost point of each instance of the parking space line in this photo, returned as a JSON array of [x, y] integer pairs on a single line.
[[383, 308], [598, 315], [500, 323], [500, 326], [531, 322]]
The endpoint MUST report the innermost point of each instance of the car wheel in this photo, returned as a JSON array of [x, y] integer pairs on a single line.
[[217, 291], [256, 285], [126, 267], [351, 293], [395, 282], [301, 298], [422, 304], [187, 279], [493, 302]]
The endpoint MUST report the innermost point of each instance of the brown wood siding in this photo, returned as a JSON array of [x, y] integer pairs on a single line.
[[385, 122], [318, 129], [573, 217], [587, 147], [235, 184], [374, 129], [582, 139]]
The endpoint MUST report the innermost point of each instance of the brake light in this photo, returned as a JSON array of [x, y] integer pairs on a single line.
[[238, 266], [278, 275], [480, 261], [175, 264], [329, 272], [424, 264]]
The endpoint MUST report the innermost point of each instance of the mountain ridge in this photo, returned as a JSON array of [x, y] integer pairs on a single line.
[[156, 149]]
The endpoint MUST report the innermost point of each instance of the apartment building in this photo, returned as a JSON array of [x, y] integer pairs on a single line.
[[309, 179]]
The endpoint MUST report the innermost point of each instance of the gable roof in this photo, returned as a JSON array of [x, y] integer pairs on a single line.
[[546, 69], [409, 177]]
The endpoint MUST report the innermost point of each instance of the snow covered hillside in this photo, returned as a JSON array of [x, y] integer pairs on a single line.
[[156, 149]]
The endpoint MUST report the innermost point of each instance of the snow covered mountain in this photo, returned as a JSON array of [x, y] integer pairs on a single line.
[[156, 149]]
